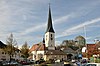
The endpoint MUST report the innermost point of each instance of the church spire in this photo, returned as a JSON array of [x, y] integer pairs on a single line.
[[49, 25], [50, 33]]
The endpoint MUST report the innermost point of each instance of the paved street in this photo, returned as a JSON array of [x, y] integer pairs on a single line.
[[28, 65], [56, 64], [25, 65], [51, 65]]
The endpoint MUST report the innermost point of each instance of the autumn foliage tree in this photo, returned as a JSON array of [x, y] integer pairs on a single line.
[[25, 50]]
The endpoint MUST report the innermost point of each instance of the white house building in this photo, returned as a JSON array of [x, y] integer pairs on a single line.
[[5, 56]]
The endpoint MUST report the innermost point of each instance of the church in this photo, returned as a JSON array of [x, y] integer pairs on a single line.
[[46, 49]]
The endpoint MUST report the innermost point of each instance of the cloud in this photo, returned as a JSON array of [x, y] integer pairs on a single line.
[[64, 18], [19, 17], [33, 29], [76, 29], [44, 24]]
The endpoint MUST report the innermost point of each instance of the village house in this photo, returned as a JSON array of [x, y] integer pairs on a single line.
[[5, 56], [91, 50]]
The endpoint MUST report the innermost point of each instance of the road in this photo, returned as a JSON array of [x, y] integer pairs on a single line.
[[26, 65], [56, 64]]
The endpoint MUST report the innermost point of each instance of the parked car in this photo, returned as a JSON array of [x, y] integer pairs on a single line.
[[9, 63], [32, 61], [39, 61], [25, 62], [57, 61], [0, 63], [92, 64], [84, 61], [67, 64], [13, 63]]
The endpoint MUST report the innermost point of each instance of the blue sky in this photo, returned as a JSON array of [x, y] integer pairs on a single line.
[[27, 19]]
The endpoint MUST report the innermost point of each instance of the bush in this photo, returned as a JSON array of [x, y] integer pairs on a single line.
[[50, 61], [97, 60]]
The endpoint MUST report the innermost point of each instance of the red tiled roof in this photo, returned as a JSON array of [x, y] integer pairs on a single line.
[[41, 47], [33, 48], [91, 47], [38, 47]]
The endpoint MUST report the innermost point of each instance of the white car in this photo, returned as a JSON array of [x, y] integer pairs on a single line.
[[57, 60], [92, 64]]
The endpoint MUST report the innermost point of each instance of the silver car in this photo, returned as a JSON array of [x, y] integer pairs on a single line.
[[92, 64]]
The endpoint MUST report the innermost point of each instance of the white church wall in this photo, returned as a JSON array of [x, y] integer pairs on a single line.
[[36, 53], [40, 52], [50, 40]]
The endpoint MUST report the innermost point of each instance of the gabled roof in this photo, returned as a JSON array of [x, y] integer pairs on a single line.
[[38, 47], [2, 44], [41, 47], [68, 50], [91, 47], [98, 44]]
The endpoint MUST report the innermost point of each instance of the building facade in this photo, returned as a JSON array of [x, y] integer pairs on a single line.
[[46, 49], [5, 56]]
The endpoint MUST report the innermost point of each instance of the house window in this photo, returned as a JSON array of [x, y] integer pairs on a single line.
[[2, 52], [51, 38]]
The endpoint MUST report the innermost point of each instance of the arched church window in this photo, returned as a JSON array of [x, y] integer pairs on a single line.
[[51, 35], [51, 38]]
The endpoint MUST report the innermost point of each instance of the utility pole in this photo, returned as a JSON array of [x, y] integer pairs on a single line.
[[85, 42]]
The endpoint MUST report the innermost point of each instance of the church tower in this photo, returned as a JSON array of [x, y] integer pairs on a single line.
[[50, 33]]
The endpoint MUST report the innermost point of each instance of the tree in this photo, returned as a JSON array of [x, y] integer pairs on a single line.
[[10, 46], [70, 44], [25, 50], [80, 41]]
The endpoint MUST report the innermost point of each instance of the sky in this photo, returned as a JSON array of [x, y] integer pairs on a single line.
[[27, 20]]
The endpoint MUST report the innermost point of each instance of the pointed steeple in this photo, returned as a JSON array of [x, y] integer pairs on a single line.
[[49, 25]]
